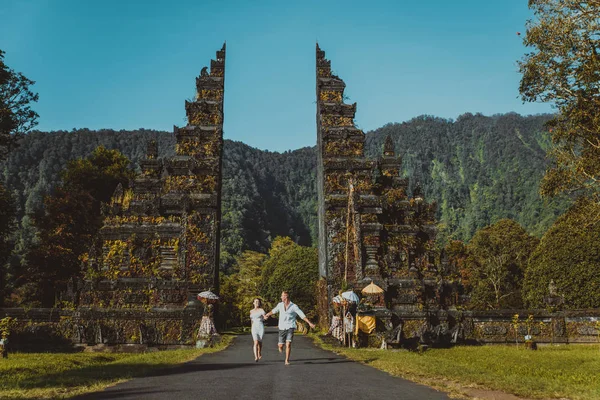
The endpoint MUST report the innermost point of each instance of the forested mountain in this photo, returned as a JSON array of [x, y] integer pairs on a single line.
[[479, 169], [265, 195]]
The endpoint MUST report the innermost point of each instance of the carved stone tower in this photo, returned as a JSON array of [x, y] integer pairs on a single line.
[[369, 228], [345, 184], [159, 245]]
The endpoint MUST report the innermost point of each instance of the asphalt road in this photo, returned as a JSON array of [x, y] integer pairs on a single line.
[[233, 374]]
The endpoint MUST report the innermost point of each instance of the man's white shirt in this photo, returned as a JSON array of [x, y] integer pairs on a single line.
[[287, 318]]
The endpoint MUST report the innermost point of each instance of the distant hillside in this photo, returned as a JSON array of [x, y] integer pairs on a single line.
[[477, 168]]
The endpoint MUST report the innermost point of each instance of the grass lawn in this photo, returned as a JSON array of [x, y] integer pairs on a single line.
[[60, 375], [566, 371]]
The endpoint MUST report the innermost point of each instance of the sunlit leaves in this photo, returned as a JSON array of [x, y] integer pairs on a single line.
[[16, 115], [564, 69]]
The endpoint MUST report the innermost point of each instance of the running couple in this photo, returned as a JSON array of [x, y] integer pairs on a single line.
[[288, 312]]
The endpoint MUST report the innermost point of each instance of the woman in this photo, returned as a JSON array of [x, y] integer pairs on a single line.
[[258, 328]]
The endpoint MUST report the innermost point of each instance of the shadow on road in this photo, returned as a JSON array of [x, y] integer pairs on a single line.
[[118, 393], [342, 361], [197, 367]]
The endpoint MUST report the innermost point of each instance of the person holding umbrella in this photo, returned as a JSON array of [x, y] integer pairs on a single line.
[[288, 312], [207, 324], [349, 302]]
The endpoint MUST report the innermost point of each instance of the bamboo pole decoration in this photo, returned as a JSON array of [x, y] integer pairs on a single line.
[[343, 325], [349, 211]]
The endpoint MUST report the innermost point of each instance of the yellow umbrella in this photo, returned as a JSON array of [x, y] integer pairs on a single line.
[[372, 288]]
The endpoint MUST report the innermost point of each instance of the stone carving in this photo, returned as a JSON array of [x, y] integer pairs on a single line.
[[559, 327], [406, 298], [494, 330], [533, 330], [159, 244], [586, 330], [395, 335], [134, 298], [553, 300], [171, 297], [388, 147], [552, 288], [152, 150], [369, 226]]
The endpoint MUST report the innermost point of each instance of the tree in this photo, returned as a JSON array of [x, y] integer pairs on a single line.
[[241, 287], [66, 227], [7, 224], [16, 118], [16, 115], [288, 266], [497, 262], [70, 219], [568, 254], [292, 268], [99, 174], [458, 261], [564, 68]]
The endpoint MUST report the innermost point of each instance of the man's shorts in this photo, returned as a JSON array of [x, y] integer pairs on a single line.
[[286, 335]]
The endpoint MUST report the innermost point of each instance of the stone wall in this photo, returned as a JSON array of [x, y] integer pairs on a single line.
[[481, 327], [45, 329]]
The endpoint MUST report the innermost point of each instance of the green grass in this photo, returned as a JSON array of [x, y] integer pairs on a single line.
[[59, 375], [571, 371]]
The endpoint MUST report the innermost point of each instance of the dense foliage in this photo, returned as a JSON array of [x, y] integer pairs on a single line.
[[292, 268], [562, 68], [288, 266], [479, 169], [67, 224], [241, 287], [568, 254], [7, 224], [16, 115], [16, 118], [266, 194], [496, 265]]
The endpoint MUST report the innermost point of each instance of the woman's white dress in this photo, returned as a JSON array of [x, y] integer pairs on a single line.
[[258, 327]]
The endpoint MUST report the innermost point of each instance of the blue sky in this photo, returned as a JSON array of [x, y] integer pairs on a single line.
[[131, 64]]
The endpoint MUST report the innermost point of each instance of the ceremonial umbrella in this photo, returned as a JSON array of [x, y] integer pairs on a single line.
[[208, 297], [351, 296], [372, 289]]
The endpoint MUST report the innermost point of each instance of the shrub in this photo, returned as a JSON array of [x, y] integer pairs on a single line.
[[569, 254]]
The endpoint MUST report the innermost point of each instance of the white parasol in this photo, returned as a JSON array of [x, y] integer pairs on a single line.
[[208, 297], [351, 296]]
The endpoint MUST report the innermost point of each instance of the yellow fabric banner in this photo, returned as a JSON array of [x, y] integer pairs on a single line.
[[365, 323]]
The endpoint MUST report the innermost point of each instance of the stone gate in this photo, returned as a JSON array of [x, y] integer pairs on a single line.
[[159, 245], [370, 229]]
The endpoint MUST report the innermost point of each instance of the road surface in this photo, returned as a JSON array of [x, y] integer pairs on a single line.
[[232, 374]]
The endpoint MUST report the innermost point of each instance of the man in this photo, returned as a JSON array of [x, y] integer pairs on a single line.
[[288, 312]]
